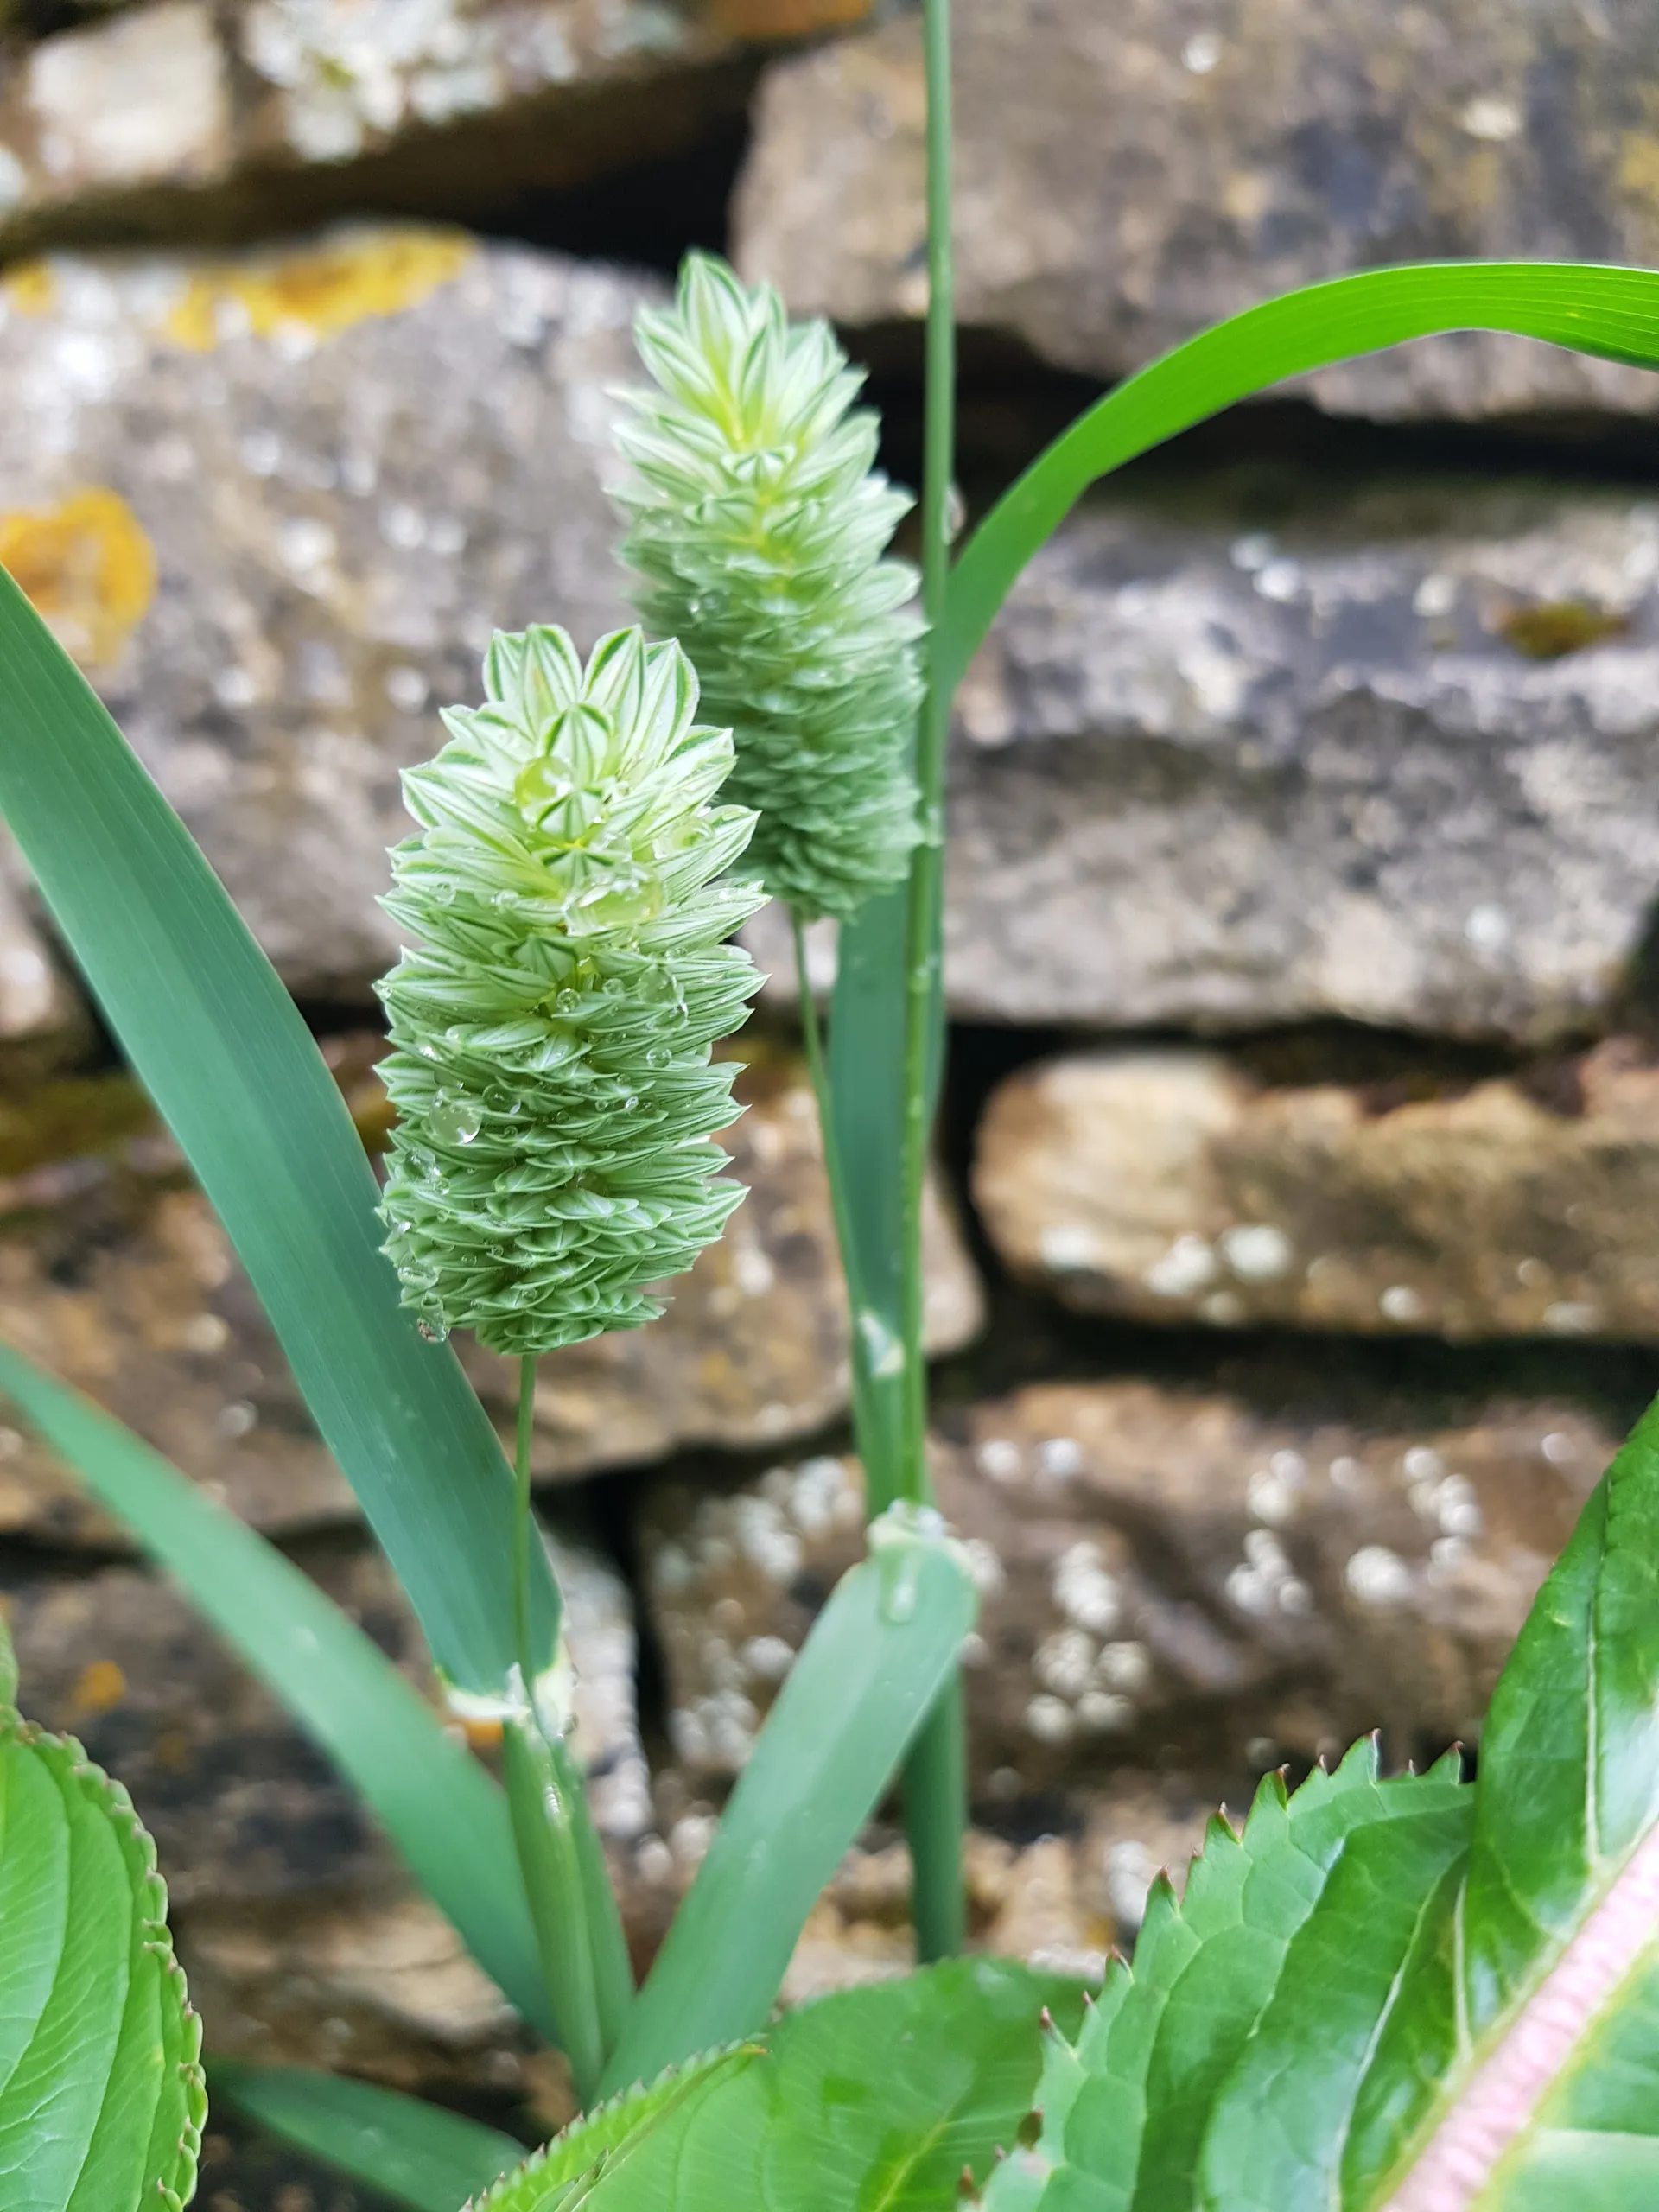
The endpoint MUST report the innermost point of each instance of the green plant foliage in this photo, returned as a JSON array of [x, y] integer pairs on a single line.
[[416, 2154], [552, 1077], [445, 1815], [876, 1659], [101, 2095], [1409, 1996], [218, 1045], [877, 2098], [605, 2144], [1610, 313], [758, 528]]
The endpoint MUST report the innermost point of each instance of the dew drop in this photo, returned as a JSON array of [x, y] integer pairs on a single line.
[[456, 1120], [659, 1057], [444, 893]]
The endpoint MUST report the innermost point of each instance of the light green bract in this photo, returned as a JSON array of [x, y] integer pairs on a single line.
[[552, 1160], [758, 527]]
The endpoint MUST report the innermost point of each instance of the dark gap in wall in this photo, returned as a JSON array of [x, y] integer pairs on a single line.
[[1011, 404], [649, 215]]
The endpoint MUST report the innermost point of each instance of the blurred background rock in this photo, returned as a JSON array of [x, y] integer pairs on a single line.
[[1293, 1267]]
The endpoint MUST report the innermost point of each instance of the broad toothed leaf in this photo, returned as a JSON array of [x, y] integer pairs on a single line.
[[1124, 2120], [101, 2095], [879, 2098], [1408, 1995]]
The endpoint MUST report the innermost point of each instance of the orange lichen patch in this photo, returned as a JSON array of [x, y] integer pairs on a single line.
[[324, 291], [1551, 631], [98, 1686], [784, 18], [31, 288], [1638, 168], [87, 567]]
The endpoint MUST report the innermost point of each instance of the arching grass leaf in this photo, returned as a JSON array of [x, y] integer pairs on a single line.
[[1612, 313], [855, 1699], [101, 2094], [417, 2154], [444, 1812]]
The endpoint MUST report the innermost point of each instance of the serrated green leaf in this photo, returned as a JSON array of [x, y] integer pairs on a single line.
[[1410, 1996], [873, 2101], [101, 2095], [217, 1043], [444, 1812], [1540, 1993], [1128, 2111], [417, 2154], [599, 2146], [867, 1676]]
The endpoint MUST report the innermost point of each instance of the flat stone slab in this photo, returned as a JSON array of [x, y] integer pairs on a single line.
[[1168, 1578], [1170, 1186], [1127, 175]]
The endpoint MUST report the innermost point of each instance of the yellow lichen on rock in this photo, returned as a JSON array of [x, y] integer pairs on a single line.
[[87, 566], [31, 288], [323, 291]]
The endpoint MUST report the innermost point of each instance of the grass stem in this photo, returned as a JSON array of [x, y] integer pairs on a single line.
[[579, 1938], [935, 1790]]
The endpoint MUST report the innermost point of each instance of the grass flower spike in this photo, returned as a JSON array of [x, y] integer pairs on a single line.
[[555, 1099], [758, 527]]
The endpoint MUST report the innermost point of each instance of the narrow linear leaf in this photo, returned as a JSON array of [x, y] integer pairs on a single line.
[[217, 1042], [417, 2154], [445, 1815], [867, 1108], [876, 1659], [101, 2095], [1612, 313]]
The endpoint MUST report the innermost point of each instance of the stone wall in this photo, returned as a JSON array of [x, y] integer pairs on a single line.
[[1291, 1265]]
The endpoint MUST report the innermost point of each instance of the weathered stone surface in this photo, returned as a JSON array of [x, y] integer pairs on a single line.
[[1168, 1579], [1274, 747], [1127, 175], [300, 1933], [1169, 1186], [115, 1275], [184, 118], [276, 506], [241, 1808], [44, 1022]]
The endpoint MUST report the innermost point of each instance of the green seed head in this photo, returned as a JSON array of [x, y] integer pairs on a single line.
[[551, 1159], [758, 526]]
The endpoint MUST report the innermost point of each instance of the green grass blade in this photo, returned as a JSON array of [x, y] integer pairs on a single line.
[[866, 1061], [1613, 313], [444, 1812], [417, 2154], [875, 1662], [217, 1043]]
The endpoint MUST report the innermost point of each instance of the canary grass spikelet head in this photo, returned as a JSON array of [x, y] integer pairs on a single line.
[[758, 530], [567, 887]]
